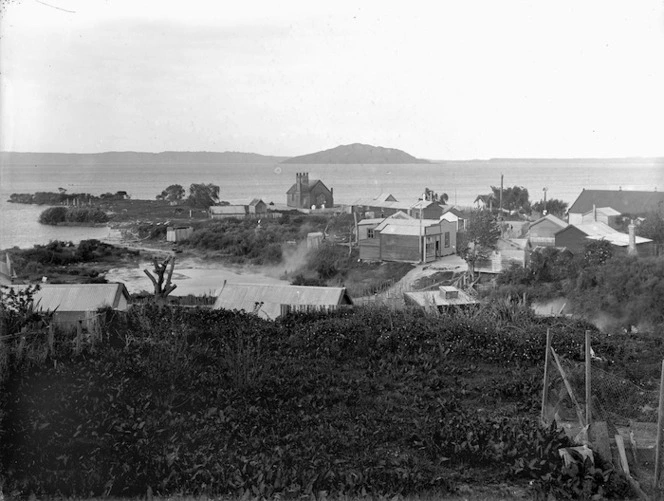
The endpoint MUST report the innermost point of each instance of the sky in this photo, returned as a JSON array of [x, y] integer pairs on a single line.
[[440, 80]]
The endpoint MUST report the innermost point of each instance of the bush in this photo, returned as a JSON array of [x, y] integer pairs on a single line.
[[208, 402], [61, 215]]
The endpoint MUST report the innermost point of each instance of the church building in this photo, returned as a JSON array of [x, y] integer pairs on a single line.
[[305, 194]]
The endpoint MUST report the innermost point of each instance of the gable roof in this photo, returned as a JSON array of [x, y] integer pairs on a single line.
[[255, 202], [623, 201], [455, 211], [551, 218], [248, 297], [307, 188], [407, 226], [600, 231], [77, 297]]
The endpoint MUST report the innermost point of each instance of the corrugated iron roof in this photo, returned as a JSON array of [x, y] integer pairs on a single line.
[[77, 297], [600, 231], [228, 209], [552, 218], [625, 202], [248, 297]]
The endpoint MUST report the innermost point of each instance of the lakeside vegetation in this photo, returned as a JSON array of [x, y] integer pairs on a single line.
[[65, 262], [365, 402], [619, 290]]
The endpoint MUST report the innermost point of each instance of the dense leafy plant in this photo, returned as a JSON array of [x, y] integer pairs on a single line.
[[223, 403], [62, 215]]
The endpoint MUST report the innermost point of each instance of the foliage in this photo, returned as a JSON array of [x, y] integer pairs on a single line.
[[431, 195], [652, 227], [515, 198], [627, 290], [64, 215], [554, 206], [482, 233], [173, 193], [222, 403], [57, 254], [203, 195], [596, 253], [50, 198], [17, 309]]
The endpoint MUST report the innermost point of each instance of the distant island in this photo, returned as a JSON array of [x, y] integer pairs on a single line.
[[357, 154], [136, 158]]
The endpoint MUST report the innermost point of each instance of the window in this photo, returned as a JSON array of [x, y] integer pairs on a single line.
[[447, 239], [370, 233]]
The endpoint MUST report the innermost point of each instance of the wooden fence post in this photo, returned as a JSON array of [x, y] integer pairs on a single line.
[[568, 386], [660, 422], [51, 338], [79, 335], [588, 381], [545, 390]]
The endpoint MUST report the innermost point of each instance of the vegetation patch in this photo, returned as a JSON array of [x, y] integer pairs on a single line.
[[364, 402]]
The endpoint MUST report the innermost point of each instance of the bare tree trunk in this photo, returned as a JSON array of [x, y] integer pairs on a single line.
[[162, 288]]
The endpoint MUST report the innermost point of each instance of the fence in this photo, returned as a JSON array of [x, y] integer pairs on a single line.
[[622, 421]]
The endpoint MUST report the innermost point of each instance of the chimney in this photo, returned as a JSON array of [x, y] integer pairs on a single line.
[[305, 179], [631, 249]]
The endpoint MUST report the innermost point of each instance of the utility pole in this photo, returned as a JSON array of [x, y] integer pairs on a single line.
[[501, 197]]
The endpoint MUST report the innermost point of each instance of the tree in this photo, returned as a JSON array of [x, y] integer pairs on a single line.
[[514, 198], [162, 288], [479, 239], [173, 193], [203, 195], [553, 206], [597, 252], [652, 227], [432, 196]]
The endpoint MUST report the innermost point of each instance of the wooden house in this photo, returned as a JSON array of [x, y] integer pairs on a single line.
[[575, 237], [542, 232], [256, 209], [624, 202], [454, 215], [306, 194], [272, 301], [406, 239], [74, 303]]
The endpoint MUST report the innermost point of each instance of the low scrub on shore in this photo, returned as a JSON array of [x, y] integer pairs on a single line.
[[65, 261], [370, 401], [73, 215]]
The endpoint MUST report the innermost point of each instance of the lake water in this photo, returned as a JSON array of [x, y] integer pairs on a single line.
[[461, 180]]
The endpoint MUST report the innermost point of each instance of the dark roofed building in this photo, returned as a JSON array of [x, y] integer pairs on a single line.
[[305, 194], [623, 201]]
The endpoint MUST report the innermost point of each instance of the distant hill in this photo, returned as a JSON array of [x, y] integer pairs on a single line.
[[357, 154], [133, 158]]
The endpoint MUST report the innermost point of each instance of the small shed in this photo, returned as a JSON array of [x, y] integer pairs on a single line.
[[543, 231], [178, 234], [446, 299], [272, 301], [257, 207]]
